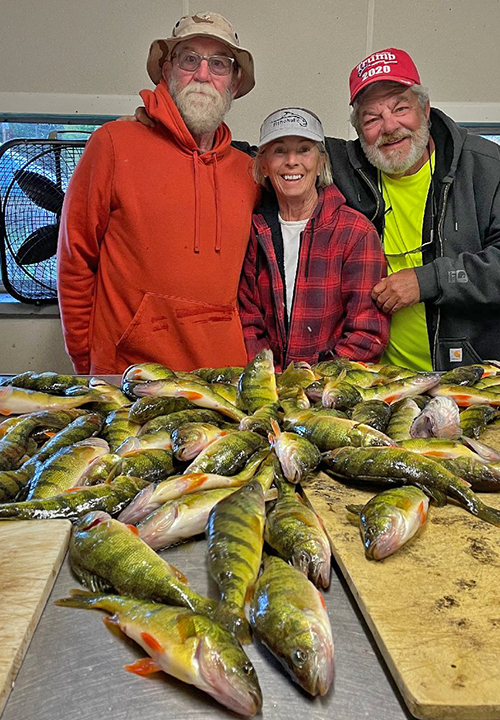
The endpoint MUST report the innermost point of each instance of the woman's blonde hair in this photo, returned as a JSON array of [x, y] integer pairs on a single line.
[[324, 178]]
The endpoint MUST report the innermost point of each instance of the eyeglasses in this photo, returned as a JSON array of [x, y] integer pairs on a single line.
[[191, 61], [406, 252]]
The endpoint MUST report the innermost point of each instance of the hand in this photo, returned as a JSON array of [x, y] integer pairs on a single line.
[[399, 290], [142, 117]]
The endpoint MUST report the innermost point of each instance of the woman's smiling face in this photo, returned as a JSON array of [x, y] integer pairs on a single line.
[[292, 164]]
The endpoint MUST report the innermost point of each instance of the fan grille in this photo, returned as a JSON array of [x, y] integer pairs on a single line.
[[34, 176]]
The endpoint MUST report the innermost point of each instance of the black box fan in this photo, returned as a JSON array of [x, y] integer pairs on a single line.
[[34, 175]]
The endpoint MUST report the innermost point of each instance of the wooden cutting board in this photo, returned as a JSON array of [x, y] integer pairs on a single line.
[[31, 554], [433, 607]]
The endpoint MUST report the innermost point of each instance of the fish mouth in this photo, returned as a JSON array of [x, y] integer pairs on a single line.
[[231, 690], [324, 668], [154, 529], [139, 507], [316, 676], [92, 519], [388, 541], [315, 566]]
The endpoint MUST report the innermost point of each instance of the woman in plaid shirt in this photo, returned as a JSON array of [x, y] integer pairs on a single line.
[[305, 289]]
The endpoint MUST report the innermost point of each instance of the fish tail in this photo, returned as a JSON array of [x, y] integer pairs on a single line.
[[488, 514], [232, 617], [475, 506], [84, 599]]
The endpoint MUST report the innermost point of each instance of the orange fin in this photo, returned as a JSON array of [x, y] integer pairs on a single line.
[[179, 575], [191, 395], [322, 600], [144, 666], [133, 529], [152, 642], [275, 427], [113, 625]]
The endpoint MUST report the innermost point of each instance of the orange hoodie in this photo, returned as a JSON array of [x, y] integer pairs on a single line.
[[152, 241]]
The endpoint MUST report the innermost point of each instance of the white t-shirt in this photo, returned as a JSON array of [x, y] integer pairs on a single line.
[[290, 230]]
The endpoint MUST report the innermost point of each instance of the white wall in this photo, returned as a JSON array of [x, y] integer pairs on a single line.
[[88, 56]]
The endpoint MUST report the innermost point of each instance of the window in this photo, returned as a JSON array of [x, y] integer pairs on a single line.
[[76, 127], [490, 131]]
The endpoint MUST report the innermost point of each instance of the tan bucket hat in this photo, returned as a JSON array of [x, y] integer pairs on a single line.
[[209, 24]]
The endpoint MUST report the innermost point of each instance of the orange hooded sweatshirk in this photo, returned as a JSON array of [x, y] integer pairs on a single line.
[[152, 241]]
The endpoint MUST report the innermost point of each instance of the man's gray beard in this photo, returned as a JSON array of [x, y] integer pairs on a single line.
[[397, 162], [202, 107]]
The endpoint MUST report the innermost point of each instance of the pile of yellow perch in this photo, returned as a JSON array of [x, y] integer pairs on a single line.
[[173, 455]]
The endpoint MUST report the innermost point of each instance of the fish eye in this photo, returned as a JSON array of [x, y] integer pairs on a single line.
[[299, 657], [247, 669]]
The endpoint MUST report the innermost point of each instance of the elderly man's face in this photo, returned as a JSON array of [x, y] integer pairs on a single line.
[[393, 128], [202, 97]]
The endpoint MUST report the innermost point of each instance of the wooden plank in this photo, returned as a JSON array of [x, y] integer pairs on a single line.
[[31, 554], [433, 607]]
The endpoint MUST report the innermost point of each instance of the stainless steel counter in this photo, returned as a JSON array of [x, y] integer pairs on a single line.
[[73, 668]]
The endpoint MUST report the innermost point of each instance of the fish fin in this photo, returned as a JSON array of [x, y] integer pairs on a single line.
[[232, 617], [275, 427], [191, 395], [422, 513], [322, 600], [438, 496], [73, 489], [113, 625], [94, 582], [185, 627], [152, 642], [144, 666], [133, 529], [354, 509], [249, 593], [179, 575], [111, 620]]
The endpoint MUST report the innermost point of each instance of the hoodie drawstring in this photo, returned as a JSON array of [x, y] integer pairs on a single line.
[[197, 210], [217, 213], [196, 204]]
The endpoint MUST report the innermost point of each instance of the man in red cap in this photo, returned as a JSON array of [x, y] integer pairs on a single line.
[[433, 191], [156, 220]]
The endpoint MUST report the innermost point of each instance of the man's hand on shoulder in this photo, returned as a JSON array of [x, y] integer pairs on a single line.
[[399, 290], [139, 116]]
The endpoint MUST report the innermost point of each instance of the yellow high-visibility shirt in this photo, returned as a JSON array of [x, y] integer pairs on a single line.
[[405, 200]]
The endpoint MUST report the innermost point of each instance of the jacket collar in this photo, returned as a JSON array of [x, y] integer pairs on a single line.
[[329, 201]]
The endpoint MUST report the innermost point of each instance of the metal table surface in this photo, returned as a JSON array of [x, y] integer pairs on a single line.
[[73, 667]]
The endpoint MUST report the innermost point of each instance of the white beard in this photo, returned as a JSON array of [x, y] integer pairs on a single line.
[[202, 107], [397, 161]]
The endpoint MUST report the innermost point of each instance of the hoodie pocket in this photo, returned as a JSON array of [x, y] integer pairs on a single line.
[[453, 352], [182, 334]]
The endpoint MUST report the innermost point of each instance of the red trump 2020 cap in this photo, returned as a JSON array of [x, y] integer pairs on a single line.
[[390, 64]]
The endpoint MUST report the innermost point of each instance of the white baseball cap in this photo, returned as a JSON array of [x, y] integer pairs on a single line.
[[290, 121]]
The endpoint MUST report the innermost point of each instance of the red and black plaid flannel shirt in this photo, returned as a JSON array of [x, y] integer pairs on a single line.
[[340, 260]]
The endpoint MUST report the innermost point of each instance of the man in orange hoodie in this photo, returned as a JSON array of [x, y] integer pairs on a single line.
[[156, 220]]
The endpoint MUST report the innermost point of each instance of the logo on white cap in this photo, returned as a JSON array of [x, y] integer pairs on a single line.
[[288, 118]]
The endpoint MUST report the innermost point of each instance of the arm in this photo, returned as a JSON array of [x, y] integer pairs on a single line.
[[366, 328], [469, 278], [251, 315], [84, 220]]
